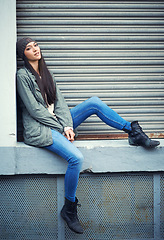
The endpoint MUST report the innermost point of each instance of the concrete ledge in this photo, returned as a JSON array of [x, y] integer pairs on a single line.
[[101, 156]]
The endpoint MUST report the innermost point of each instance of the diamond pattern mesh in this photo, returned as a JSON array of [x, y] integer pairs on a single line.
[[29, 208], [162, 207], [115, 207]]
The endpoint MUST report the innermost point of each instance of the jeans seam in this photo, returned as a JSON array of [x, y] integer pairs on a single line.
[[98, 116]]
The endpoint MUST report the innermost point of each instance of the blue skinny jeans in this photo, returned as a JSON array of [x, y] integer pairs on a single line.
[[69, 152]]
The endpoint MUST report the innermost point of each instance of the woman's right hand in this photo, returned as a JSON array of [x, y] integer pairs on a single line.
[[69, 134]]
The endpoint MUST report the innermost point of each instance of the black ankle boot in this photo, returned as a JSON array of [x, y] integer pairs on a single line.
[[69, 214], [138, 138]]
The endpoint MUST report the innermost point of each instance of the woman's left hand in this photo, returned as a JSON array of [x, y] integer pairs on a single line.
[[69, 134]]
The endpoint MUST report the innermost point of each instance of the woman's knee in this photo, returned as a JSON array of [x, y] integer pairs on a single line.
[[95, 101], [80, 158], [77, 159]]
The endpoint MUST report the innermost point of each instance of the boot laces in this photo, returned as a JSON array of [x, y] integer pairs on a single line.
[[140, 131]]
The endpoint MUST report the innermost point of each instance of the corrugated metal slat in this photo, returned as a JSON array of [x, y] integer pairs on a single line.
[[111, 49]]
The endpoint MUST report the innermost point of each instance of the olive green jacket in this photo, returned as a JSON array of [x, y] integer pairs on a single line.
[[37, 121]]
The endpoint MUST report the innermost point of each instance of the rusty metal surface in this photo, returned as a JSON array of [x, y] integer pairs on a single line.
[[104, 136], [114, 136]]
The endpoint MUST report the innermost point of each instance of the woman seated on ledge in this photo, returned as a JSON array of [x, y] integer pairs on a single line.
[[50, 124]]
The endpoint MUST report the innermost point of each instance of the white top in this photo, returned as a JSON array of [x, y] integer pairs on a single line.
[[51, 110]]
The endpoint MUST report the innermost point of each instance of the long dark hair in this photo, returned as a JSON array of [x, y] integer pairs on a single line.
[[45, 83]]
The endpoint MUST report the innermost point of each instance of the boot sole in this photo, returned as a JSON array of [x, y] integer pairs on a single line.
[[135, 144]]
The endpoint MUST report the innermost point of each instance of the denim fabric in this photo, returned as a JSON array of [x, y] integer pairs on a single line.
[[68, 151], [95, 106]]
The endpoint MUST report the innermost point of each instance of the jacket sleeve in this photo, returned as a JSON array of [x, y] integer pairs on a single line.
[[35, 109], [61, 110]]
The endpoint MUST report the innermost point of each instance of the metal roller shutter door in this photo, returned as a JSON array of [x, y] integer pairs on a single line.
[[110, 49]]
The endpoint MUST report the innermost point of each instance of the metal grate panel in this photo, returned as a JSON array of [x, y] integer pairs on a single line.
[[162, 208], [29, 208], [115, 207]]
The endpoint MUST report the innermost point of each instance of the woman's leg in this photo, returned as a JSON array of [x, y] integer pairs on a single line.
[[74, 157], [94, 105]]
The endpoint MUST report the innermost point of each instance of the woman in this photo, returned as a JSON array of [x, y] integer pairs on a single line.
[[50, 124]]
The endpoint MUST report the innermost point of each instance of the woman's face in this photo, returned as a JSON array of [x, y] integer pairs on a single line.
[[32, 51]]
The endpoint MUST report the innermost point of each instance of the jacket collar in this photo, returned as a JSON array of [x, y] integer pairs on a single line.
[[32, 77], [36, 92]]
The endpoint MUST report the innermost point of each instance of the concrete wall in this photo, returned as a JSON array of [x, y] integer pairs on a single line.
[[100, 157], [7, 71]]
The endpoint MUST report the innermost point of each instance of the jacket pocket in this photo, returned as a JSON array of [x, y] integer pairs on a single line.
[[32, 128]]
